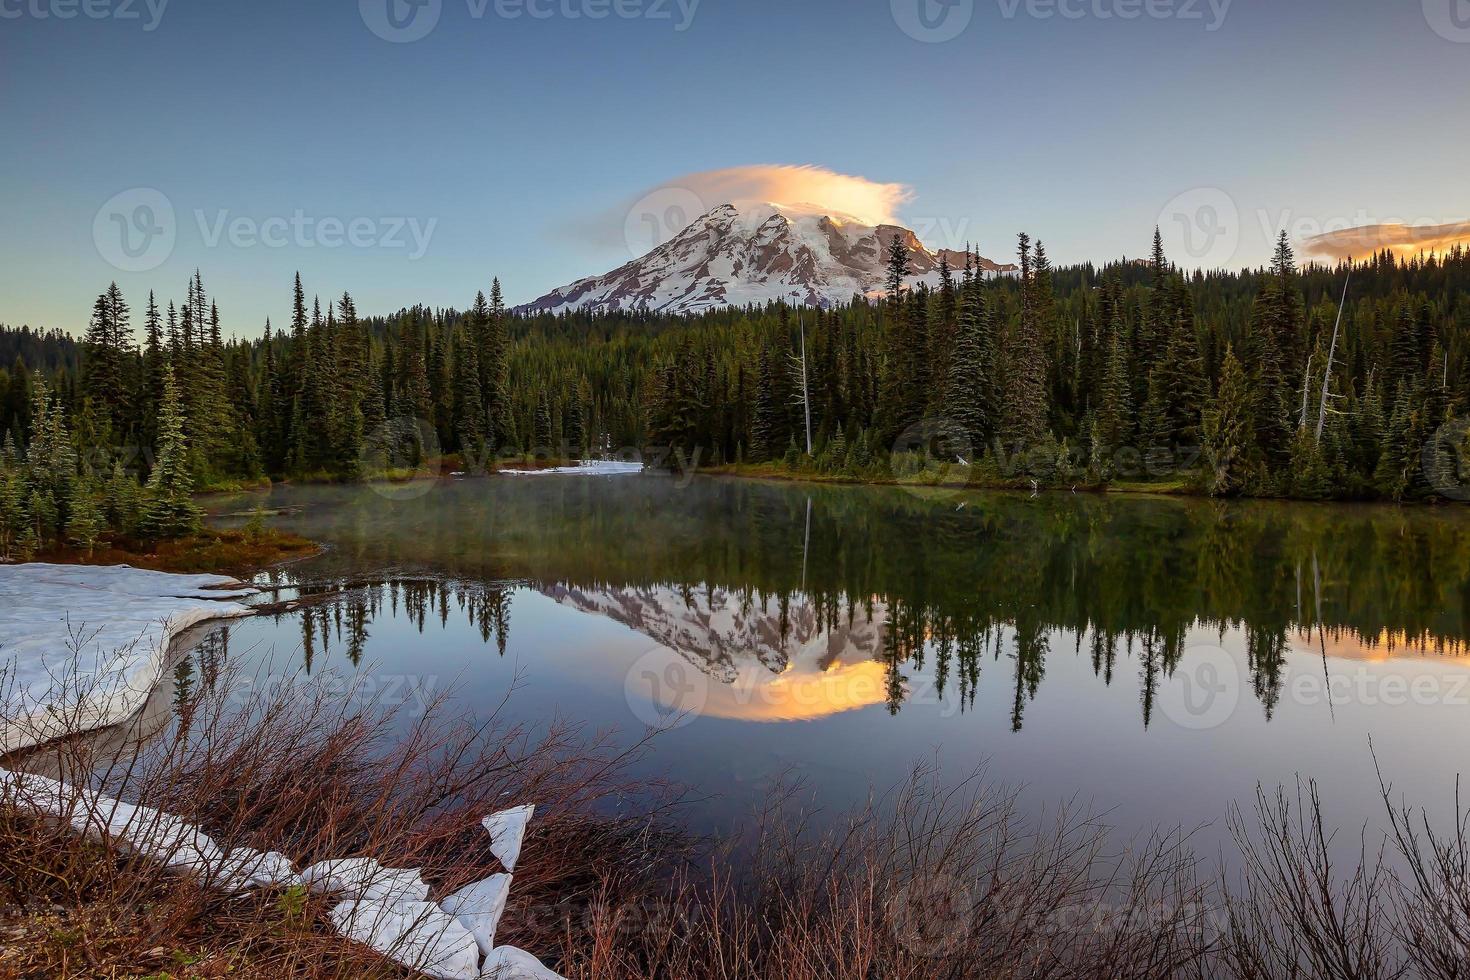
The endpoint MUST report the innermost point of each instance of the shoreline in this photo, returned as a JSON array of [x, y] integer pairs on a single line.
[[1179, 489], [80, 683]]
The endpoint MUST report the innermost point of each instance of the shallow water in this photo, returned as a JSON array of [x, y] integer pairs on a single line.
[[1155, 659]]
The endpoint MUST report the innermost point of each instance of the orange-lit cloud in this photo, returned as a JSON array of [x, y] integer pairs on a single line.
[[1363, 242], [870, 201], [1387, 645]]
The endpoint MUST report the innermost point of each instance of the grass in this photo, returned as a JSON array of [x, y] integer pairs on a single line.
[[947, 476], [314, 775], [228, 552]]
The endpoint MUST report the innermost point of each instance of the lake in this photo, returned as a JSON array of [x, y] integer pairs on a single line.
[[1152, 658]]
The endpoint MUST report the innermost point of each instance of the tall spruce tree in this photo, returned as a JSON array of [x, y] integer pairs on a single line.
[[169, 510]]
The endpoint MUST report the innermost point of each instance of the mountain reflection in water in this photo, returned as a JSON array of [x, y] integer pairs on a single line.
[[798, 602]]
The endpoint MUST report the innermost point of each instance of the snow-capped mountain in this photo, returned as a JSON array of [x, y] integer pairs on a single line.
[[756, 669], [723, 633], [754, 253]]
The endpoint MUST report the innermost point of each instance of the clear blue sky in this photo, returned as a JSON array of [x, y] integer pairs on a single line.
[[511, 134]]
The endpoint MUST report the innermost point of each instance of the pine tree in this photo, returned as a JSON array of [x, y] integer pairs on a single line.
[[108, 353], [84, 525], [1230, 451], [495, 364], [1177, 388], [169, 510], [1113, 423], [1024, 417], [154, 359], [469, 410], [969, 398]]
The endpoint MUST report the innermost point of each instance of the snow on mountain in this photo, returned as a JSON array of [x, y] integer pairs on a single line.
[[757, 253], [721, 631], [760, 665]]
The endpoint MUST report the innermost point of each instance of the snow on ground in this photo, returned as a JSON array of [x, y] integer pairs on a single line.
[[588, 467], [385, 909], [82, 646]]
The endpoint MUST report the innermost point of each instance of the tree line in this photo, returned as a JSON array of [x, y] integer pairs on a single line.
[[1315, 382]]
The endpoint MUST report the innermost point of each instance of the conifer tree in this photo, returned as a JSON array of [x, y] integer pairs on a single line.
[[1113, 423], [1177, 388], [169, 510], [1024, 416], [108, 353], [1229, 437], [969, 398], [154, 359], [469, 410], [495, 363]]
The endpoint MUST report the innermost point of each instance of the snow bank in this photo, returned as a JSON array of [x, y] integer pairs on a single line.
[[82, 646], [136, 829], [385, 909], [588, 467]]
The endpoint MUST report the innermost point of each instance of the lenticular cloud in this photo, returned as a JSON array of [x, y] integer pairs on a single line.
[[869, 201]]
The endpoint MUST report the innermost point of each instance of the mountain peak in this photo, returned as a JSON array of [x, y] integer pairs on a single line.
[[754, 252]]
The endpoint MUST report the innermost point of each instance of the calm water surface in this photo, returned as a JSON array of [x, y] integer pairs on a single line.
[[1153, 658]]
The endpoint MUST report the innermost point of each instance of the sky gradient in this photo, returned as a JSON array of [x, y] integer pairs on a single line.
[[290, 135]]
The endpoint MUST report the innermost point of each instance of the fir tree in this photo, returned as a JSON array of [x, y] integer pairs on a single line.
[[1229, 437], [1024, 417], [169, 510]]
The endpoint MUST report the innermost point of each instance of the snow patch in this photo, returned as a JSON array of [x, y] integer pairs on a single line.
[[507, 829], [387, 909], [479, 906], [81, 646], [418, 935], [589, 467]]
